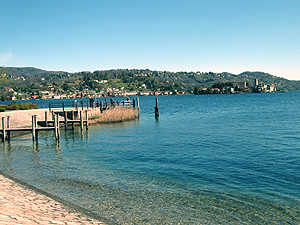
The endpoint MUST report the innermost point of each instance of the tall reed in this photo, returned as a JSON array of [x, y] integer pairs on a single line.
[[113, 115]]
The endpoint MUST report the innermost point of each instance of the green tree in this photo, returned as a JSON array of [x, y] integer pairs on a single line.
[[3, 75]]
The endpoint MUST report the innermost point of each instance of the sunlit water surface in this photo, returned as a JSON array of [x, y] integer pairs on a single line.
[[208, 159]]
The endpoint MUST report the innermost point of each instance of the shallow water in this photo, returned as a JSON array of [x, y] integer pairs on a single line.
[[207, 159]]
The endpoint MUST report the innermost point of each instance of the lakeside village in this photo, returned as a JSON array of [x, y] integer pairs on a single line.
[[218, 88]]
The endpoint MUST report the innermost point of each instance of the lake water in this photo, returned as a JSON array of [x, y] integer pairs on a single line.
[[209, 159]]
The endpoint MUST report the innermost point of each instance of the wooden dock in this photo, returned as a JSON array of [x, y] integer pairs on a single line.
[[45, 125], [64, 114]]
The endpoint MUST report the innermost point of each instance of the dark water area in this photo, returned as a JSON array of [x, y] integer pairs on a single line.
[[207, 159]]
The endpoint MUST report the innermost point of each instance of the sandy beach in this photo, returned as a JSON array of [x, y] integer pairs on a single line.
[[20, 204]]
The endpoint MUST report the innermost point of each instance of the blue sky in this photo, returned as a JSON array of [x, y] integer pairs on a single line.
[[188, 35]]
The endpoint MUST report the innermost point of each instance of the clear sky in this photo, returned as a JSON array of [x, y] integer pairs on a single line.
[[173, 35]]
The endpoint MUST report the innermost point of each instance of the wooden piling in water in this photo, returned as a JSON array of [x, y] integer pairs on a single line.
[[36, 130], [33, 127], [66, 120], [81, 120], [101, 106], [72, 115], [156, 108], [8, 132], [46, 118], [3, 129], [87, 119], [56, 126]]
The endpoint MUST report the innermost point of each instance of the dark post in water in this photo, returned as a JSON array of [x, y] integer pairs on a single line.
[[156, 108]]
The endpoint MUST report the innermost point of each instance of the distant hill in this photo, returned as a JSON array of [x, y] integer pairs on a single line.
[[29, 71], [28, 79]]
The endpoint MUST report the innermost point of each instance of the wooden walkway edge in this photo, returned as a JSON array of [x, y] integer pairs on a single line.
[[45, 125]]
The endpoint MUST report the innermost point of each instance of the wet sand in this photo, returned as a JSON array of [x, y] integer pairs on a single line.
[[22, 204]]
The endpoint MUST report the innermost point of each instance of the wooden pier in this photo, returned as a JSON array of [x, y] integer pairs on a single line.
[[67, 115], [45, 125]]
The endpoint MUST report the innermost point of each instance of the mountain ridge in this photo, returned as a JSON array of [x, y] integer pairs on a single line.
[[35, 79]]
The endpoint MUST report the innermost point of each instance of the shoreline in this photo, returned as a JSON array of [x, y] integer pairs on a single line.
[[22, 203]]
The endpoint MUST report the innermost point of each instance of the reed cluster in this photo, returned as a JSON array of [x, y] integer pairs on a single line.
[[113, 115]]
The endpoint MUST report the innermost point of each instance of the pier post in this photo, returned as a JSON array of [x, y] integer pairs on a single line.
[[36, 130], [56, 126], [87, 119], [33, 127], [81, 120], [133, 103], [128, 101], [58, 131], [101, 106], [138, 105], [66, 122], [8, 132], [106, 104], [72, 119], [156, 108], [3, 129], [46, 118]]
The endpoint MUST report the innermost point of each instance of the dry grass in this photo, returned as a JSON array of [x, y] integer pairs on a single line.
[[117, 114]]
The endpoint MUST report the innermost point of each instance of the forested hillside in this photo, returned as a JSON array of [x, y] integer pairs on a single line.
[[29, 80]]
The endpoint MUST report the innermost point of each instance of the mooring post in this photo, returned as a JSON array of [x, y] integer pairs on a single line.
[[46, 118], [55, 128], [33, 127], [87, 119], [106, 104], [36, 130], [133, 103], [81, 120], [72, 120], [112, 104], [8, 132], [101, 106], [76, 105], [58, 131], [66, 122], [156, 108], [3, 129], [138, 105], [63, 106]]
